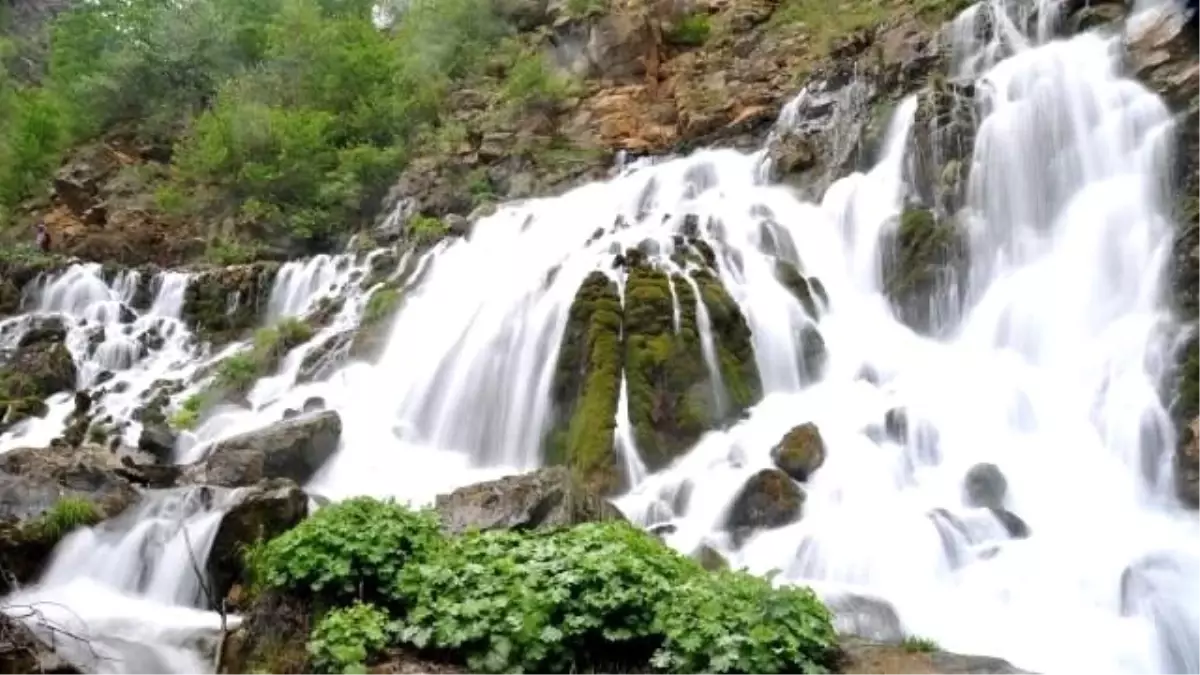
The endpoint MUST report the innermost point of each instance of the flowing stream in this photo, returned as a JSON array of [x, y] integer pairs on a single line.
[[1050, 373]]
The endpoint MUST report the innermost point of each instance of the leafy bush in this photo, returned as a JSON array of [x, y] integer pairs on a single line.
[[346, 637], [239, 372], [424, 229], [351, 550], [533, 82], [732, 622], [189, 412], [380, 305]]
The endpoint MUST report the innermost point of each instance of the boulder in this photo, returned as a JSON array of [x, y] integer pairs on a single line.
[[768, 499], [267, 510], [864, 656], [925, 260], [541, 499], [41, 366], [159, 441], [32, 482], [22, 652], [710, 558], [985, 486], [294, 448], [800, 452], [864, 616]]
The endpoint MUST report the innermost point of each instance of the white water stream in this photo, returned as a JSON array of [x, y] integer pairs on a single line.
[[1050, 374]]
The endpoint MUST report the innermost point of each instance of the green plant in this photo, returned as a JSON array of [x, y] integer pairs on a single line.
[[425, 229], [346, 637], [919, 645], [189, 412], [239, 372], [381, 305], [733, 622], [544, 602], [350, 550], [67, 514], [691, 31], [533, 82]]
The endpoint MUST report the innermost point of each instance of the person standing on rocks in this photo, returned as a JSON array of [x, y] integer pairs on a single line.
[[43, 237]]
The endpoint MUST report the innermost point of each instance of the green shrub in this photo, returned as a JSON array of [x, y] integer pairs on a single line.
[[533, 82], [424, 229], [691, 31], [67, 514], [380, 305], [189, 412], [346, 637], [733, 622], [350, 550], [919, 645], [239, 372]]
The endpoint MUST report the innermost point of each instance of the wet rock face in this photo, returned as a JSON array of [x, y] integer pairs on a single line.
[[22, 652], [271, 508], [294, 448], [800, 452], [41, 366], [541, 499], [223, 304], [159, 441], [769, 499], [925, 262], [586, 387], [32, 482], [943, 140]]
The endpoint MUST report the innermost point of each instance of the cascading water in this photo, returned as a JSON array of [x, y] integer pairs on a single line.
[[1048, 373]]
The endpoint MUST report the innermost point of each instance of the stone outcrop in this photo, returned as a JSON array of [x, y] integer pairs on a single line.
[[586, 387], [545, 498], [41, 366], [21, 651], [34, 482], [294, 449], [267, 510], [225, 303]]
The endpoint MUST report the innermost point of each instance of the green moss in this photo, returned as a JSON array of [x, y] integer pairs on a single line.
[[919, 645], [381, 305], [426, 230], [691, 31], [189, 413], [586, 386], [669, 404], [921, 253], [373, 329], [225, 304], [1189, 387], [734, 344]]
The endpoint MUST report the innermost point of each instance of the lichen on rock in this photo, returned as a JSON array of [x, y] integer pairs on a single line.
[[586, 386]]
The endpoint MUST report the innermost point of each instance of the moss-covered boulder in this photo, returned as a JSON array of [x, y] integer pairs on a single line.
[[790, 277], [734, 343], [800, 452], [47, 492], [924, 266], [668, 386], [943, 140], [769, 499], [225, 303], [586, 387], [547, 498]]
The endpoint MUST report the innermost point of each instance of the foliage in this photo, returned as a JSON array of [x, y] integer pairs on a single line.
[[380, 305], [344, 638], [919, 645], [691, 31], [350, 550], [732, 622], [543, 602], [286, 119], [239, 372], [189, 412], [424, 229], [67, 514], [604, 596]]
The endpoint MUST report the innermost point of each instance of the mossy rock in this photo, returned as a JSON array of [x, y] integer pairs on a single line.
[[920, 260], [224, 304], [41, 367], [800, 452], [769, 499], [795, 282], [734, 344], [586, 387], [669, 394], [710, 559], [1187, 420], [371, 337]]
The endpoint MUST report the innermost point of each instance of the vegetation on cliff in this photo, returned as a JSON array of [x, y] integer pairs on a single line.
[[280, 121], [376, 575]]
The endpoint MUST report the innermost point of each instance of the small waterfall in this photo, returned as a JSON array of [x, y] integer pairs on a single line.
[[300, 283], [130, 588], [709, 351], [626, 446]]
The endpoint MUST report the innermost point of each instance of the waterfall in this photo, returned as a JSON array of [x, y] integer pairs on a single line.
[[1049, 371]]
